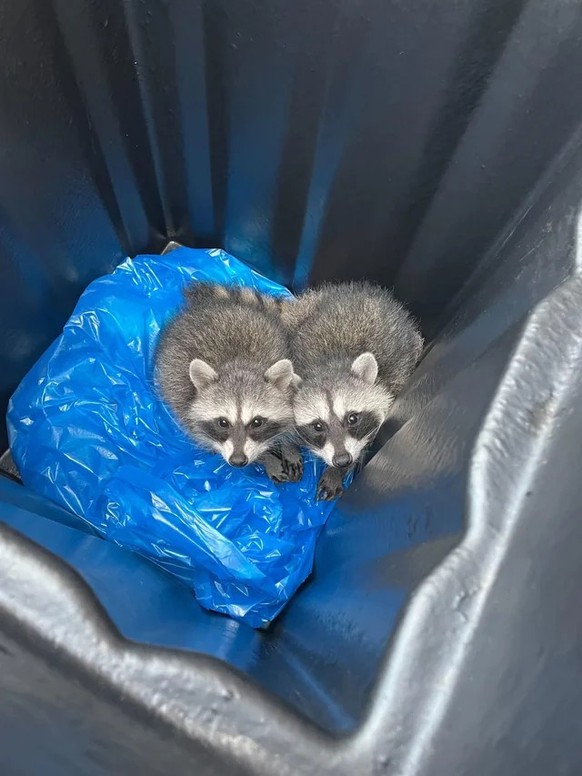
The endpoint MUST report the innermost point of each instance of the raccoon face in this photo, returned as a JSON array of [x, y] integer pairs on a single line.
[[240, 412], [339, 415]]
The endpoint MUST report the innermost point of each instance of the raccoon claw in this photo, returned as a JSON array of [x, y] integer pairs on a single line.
[[327, 494], [330, 485], [287, 468], [295, 472], [292, 464], [274, 469]]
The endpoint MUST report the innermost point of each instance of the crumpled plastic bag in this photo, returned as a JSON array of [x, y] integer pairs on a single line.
[[89, 431]]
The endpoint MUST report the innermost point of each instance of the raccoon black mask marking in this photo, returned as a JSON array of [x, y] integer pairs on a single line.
[[340, 413], [222, 366], [240, 411], [355, 347]]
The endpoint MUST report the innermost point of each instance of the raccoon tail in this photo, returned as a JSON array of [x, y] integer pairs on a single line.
[[209, 292], [198, 293]]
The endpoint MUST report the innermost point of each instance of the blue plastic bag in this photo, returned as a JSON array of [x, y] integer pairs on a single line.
[[88, 431]]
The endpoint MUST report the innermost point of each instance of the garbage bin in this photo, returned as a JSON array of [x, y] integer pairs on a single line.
[[433, 147]]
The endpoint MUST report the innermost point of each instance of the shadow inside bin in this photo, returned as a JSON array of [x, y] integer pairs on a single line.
[[322, 654], [149, 606], [400, 518]]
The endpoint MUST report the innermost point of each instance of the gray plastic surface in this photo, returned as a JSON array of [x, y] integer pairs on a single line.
[[432, 146]]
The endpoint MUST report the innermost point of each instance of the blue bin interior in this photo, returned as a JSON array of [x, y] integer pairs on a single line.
[[311, 156]]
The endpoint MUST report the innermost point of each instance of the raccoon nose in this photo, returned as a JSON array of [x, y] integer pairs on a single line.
[[344, 459], [238, 459]]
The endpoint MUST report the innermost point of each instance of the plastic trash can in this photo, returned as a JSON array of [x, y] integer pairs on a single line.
[[434, 147]]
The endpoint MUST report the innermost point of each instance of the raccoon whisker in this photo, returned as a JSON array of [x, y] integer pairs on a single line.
[[222, 363], [363, 458], [355, 347], [205, 443]]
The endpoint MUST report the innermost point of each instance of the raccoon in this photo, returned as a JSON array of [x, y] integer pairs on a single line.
[[355, 347], [222, 366]]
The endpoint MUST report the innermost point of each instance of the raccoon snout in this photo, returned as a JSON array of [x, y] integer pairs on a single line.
[[238, 459], [344, 459]]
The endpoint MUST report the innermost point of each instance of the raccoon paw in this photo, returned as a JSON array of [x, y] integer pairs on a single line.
[[274, 468], [292, 462], [330, 485]]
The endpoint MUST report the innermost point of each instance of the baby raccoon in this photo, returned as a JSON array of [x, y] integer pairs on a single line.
[[222, 366], [355, 347]]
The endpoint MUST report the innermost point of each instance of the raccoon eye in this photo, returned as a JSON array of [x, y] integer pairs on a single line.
[[223, 423], [257, 422], [353, 418], [317, 425]]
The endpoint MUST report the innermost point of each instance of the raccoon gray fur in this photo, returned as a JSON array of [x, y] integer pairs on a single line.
[[222, 365], [354, 347]]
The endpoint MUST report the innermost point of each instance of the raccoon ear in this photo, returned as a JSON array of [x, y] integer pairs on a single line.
[[201, 373], [280, 374], [296, 382], [366, 368]]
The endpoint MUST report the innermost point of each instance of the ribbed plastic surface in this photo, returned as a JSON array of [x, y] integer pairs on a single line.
[[430, 146]]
